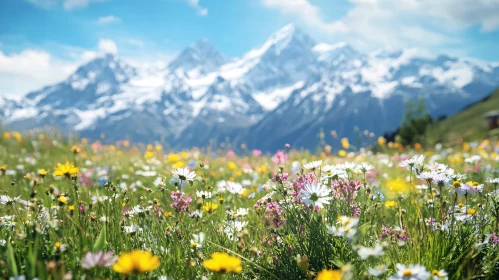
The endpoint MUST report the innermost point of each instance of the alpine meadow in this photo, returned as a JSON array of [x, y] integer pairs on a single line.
[[250, 139]]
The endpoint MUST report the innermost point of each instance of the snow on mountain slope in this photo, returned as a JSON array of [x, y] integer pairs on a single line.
[[200, 57], [288, 89], [370, 92], [271, 99]]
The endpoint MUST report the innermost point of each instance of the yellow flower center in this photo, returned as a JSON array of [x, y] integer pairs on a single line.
[[407, 273], [471, 211]]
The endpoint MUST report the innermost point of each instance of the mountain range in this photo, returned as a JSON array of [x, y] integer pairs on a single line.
[[288, 90]]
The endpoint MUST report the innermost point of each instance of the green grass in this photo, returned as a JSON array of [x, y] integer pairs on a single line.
[[301, 224], [468, 124]]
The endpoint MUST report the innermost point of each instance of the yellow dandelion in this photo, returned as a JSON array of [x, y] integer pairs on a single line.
[[398, 186], [17, 136], [178, 164], [390, 204], [62, 199], [344, 143], [342, 153], [210, 207], [149, 154], [172, 158], [246, 193], [263, 168], [221, 262], [136, 262], [65, 170], [42, 172], [232, 165], [329, 274], [167, 214]]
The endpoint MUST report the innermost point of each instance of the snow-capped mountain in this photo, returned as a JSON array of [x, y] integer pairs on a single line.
[[285, 91], [201, 57]]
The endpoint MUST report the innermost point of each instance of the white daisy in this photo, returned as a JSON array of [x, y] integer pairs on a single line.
[[440, 179], [203, 194], [346, 226], [132, 229], [331, 171], [234, 188], [241, 212], [222, 186], [364, 167], [348, 166], [184, 174], [378, 270], [473, 159], [197, 240], [493, 181], [411, 272], [313, 165], [5, 199], [440, 274], [426, 176], [232, 228], [315, 194], [365, 252], [413, 162], [197, 214]]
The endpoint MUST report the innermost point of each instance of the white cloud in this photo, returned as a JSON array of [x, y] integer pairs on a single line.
[[456, 14], [307, 13], [401, 23], [108, 19], [29, 70], [199, 9], [108, 46], [66, 4]]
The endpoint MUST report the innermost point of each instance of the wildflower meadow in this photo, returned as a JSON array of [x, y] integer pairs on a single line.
[[79, 209]]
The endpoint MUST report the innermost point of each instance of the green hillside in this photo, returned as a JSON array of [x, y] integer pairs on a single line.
[[468, 124]]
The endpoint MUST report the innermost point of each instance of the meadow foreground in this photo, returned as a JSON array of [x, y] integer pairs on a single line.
[[80, 210]]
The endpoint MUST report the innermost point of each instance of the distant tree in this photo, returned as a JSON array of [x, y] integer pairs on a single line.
[[416, 121]]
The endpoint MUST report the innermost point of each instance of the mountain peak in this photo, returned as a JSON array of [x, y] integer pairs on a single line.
[[201, 44], [289, 35], [287, 30], [107, 62], [201, 55]]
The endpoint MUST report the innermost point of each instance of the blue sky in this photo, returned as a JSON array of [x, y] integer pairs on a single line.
[[42, 41]]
